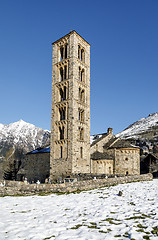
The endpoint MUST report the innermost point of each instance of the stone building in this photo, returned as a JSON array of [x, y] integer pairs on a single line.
[[149, 164], [35, 166], [111, 155], [70, 118], [71, 153]]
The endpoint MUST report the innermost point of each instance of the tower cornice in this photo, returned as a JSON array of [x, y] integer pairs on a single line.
[[67, 35]]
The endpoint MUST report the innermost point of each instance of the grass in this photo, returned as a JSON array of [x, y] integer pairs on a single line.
[[101, 231], [146, 237], [155, 231], [111, 221], [93, 225], [77, 226], [49, 237], [140, 226], [135, 217]]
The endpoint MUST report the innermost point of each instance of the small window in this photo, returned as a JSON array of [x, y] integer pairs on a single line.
[[81, 133], [126, 159], [79, 51], [82, 116], [82, 55], [61, 74], [65, 51], [61, 131], [82, 96], [64, 95], [61, 95], [81, 152], [65, 72], [61, 152], [79, 73], [61, 53], [62, 113], [82, 75]]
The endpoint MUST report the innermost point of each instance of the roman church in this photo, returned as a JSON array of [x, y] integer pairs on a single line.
[[71, 153]]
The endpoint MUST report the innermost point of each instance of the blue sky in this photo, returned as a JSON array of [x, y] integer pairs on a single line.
[[124, 58]]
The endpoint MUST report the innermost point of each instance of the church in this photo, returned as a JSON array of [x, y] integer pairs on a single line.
[[71, 153]]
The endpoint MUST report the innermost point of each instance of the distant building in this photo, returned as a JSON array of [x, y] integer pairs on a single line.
[[35, 166], [149, 164], [111, 155]]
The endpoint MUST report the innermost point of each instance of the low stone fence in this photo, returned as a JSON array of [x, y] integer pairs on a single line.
[[15, 188]]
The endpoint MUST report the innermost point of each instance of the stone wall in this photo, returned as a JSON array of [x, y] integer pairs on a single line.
[[102, 166], [35, 167], [13, 188], [127, 161]]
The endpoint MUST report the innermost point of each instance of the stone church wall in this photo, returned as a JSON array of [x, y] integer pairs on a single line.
[[127, 161], [36, 167], [102, 166]]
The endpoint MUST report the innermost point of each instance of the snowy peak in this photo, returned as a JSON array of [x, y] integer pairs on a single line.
[[141, 127], [24, 135]]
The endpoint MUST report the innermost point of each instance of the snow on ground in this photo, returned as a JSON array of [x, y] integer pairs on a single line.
[[98, 214]]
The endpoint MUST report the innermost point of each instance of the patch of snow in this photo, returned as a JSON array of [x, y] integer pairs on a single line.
[[98, 214]]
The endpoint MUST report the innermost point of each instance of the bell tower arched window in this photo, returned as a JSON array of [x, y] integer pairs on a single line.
[[61, 131], [61, 74]]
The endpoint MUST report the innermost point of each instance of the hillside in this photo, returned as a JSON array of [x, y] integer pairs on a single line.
[[144, 133], [143, 128]]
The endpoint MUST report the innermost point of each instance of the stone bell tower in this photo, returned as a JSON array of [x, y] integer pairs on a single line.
[[70, 116]]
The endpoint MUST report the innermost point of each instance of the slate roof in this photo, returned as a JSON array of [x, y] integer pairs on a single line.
[[40, 150], [119, 143], [154, 156], [110, 142], [99, 155], [99, 138]]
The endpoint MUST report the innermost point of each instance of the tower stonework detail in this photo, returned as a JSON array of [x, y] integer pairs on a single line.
[[70, 116]]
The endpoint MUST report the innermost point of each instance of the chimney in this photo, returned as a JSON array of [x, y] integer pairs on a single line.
[[110, 131]]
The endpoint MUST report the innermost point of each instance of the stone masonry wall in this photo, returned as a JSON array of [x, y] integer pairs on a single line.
[[36, 167], [70, 150], [127, 161], [14, 188]]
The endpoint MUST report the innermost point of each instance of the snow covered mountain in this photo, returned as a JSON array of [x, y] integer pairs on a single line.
[[143, 128], [22, 135], [16, 139]]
